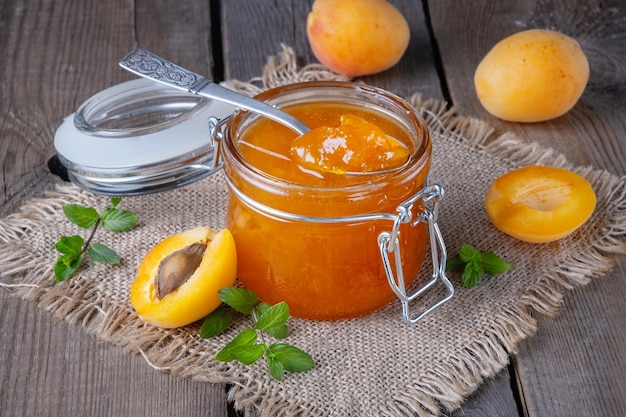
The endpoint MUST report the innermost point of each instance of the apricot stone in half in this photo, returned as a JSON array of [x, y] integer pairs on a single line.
[[177, 281], [540, 204]]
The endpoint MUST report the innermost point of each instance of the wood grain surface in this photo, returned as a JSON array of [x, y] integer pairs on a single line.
[[57, 53], [575, 365]]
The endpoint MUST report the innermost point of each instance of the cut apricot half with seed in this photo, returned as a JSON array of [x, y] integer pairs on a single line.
[[177, 281], [539, 204]]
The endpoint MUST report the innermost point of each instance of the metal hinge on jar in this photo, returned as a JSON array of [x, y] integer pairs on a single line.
[[389, 245]]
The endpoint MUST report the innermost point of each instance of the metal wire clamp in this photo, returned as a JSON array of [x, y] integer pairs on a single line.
[[389, 245]]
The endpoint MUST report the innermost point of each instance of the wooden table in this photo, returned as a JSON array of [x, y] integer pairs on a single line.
[[57, 53]]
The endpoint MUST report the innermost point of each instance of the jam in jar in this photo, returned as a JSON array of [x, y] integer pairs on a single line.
[[311, 237]]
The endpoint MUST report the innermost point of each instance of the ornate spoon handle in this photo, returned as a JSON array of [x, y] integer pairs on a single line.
[[146, 64]]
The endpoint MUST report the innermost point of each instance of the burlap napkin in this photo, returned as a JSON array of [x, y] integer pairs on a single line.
[[372, 366]]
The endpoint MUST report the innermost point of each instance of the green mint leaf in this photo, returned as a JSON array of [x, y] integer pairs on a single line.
[[247, 337], [474, 264], [467, 253], [116, 220], [292, 358], [455, 264], [276, 367], [279, 332], [65, 266], [493, 264], [70, 245], [247, 354], [81, 216], [215, 323], [102, 253], [244, 348], [472, 274], [115, 201], [238, 298], [262, 308], [275, 316]]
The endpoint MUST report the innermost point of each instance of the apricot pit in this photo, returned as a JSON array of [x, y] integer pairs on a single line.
[[539, 204], [177, 281]]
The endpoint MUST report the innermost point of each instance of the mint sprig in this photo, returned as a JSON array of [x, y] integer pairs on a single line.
[[72, 248], [474, 264], [250, 345]]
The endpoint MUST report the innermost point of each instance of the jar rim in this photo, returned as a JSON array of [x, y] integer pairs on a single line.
[[419, 156]]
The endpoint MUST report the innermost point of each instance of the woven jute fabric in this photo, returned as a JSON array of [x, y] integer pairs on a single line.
[[376, 365]]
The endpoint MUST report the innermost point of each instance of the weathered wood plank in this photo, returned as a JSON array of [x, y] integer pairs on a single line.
[[594, 125], [50, 368], [250, 40], [574, 366], [56, 54]]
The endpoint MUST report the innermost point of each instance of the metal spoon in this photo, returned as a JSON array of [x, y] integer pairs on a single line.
[[146, 64]]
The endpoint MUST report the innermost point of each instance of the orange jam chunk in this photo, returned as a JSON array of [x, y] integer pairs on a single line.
[[354, 146], [540, 204]]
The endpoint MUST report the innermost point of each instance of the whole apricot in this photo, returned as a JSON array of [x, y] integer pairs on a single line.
[[532, 76], [539, 204], [178, 280], [357, 37]]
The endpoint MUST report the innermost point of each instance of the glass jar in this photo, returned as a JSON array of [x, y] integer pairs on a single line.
[[335, 246]]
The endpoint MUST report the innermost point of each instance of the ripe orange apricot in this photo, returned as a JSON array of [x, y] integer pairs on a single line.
[[539, 204], [357, 37], [177, 281], [532, 76]]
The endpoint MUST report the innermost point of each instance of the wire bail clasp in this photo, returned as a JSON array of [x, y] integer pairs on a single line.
[[216, 133], [388, 243]]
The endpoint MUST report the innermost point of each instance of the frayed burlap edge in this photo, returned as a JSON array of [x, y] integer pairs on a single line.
[[443, 390]]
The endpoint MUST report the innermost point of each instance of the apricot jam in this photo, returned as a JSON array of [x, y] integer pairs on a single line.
[[310, 237], [355, 146]]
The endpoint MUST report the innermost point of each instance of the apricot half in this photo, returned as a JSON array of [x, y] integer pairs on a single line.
[[532, 76], [539, 204], [357, 37], [177, 281]]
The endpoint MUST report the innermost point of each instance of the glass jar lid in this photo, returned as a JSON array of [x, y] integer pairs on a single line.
[[138, 137]]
